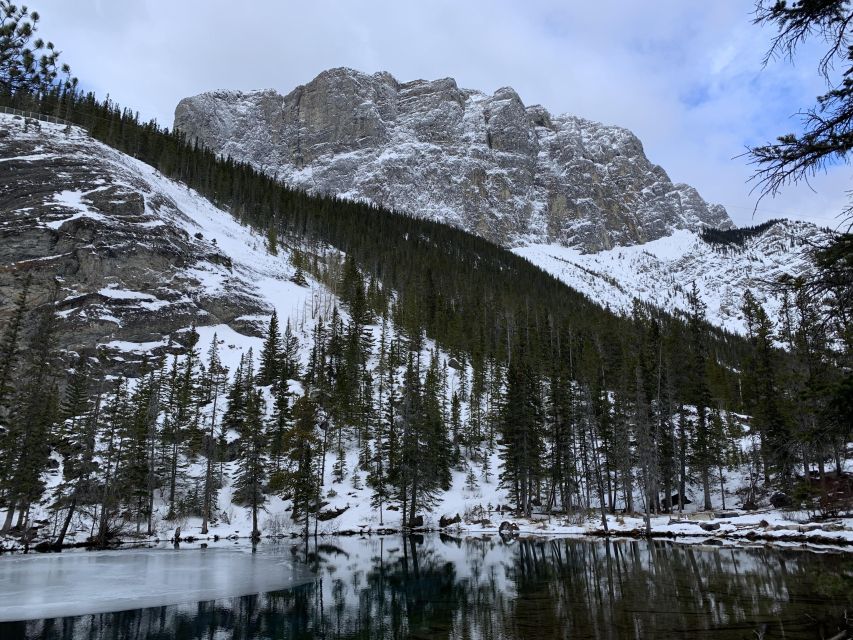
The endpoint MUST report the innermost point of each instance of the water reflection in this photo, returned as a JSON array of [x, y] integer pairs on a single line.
[[439, 587]]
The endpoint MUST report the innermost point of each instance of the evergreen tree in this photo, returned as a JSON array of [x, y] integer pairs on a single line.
[[235, 413], [10, 348], [27, 65], [79, 468], [252, 465], [761, 393], [113, 432], [289, 366], [271, 354], [216, 377], [301, 444], [280, 423], [31, 422], [699, 393], [134, 476], [521, 433]]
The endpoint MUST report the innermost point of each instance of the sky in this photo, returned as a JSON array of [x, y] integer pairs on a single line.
[[687, 77]]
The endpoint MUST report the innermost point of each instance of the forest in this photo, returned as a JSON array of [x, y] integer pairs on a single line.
[[584, 409]]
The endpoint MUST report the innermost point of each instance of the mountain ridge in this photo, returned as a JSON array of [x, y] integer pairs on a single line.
[[486, 163]]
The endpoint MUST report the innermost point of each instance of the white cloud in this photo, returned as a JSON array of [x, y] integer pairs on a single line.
[[686, 77]]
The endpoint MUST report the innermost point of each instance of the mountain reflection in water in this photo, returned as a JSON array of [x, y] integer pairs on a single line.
[[436, 587]]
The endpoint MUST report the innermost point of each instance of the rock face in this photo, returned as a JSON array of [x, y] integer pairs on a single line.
[[488, 164], [118, 258]]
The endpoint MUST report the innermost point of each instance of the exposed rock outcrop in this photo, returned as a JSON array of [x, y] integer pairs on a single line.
[[116, 257], [488, 164]]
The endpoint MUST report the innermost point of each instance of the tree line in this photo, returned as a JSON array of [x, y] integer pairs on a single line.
[[585, 408]]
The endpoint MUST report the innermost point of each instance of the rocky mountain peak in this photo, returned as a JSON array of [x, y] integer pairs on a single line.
[[487, 163]]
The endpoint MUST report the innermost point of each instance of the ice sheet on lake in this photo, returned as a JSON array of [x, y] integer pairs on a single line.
[[56, 585]]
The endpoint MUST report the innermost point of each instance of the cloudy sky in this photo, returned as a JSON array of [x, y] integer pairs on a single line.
[[686, 77]]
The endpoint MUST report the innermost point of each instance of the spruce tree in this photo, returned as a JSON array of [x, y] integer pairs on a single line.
[[32, 420], [699, 392], [271, 354], [252, 464], [217, 375], [289, 366], [521, 434], [301, 444]]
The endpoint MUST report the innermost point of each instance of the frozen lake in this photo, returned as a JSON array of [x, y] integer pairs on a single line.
[[80, 582], [431, 587]]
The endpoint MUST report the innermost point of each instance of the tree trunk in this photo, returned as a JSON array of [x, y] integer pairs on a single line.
[[10, 514], [413, 506], [173, 480], [706, 487], [60, 540]]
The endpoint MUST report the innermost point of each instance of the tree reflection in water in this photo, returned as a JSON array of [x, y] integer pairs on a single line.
[[437, 587]]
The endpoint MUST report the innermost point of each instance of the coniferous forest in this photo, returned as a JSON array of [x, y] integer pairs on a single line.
[[585, 409]]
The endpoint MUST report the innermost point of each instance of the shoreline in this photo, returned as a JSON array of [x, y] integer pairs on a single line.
[[734, 530]]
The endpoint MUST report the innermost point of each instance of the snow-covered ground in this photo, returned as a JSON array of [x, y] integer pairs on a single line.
[[614, 277], [661, 272]]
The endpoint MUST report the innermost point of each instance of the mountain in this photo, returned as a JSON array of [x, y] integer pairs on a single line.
[[577, 198], [662, 271], [429, 370], [486, 163], [130, 258]]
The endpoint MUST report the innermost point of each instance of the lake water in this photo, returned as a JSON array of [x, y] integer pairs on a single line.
[[434, 587]]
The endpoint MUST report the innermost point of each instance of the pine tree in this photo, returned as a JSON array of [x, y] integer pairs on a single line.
[[217, 375], [301, 445], [27, 65], [521, 434], [289, 366], [252, 465], [271, 354], [31, 422]]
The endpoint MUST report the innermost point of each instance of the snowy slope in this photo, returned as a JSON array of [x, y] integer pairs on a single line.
[[222, 279], [143, 258], [140, 258], [661, 272]]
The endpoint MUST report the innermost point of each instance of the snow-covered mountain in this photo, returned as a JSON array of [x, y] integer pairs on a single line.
[[131, 258], [662, 271], [487, 163], [578, 198]]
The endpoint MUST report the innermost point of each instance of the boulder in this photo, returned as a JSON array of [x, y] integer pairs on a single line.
[[709, 526], [780, 500], [323, 516], [417, 521], [508, 528], [726, 514]]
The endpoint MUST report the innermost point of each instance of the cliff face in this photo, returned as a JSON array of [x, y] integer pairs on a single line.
[[489, 164], [126, 257]]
